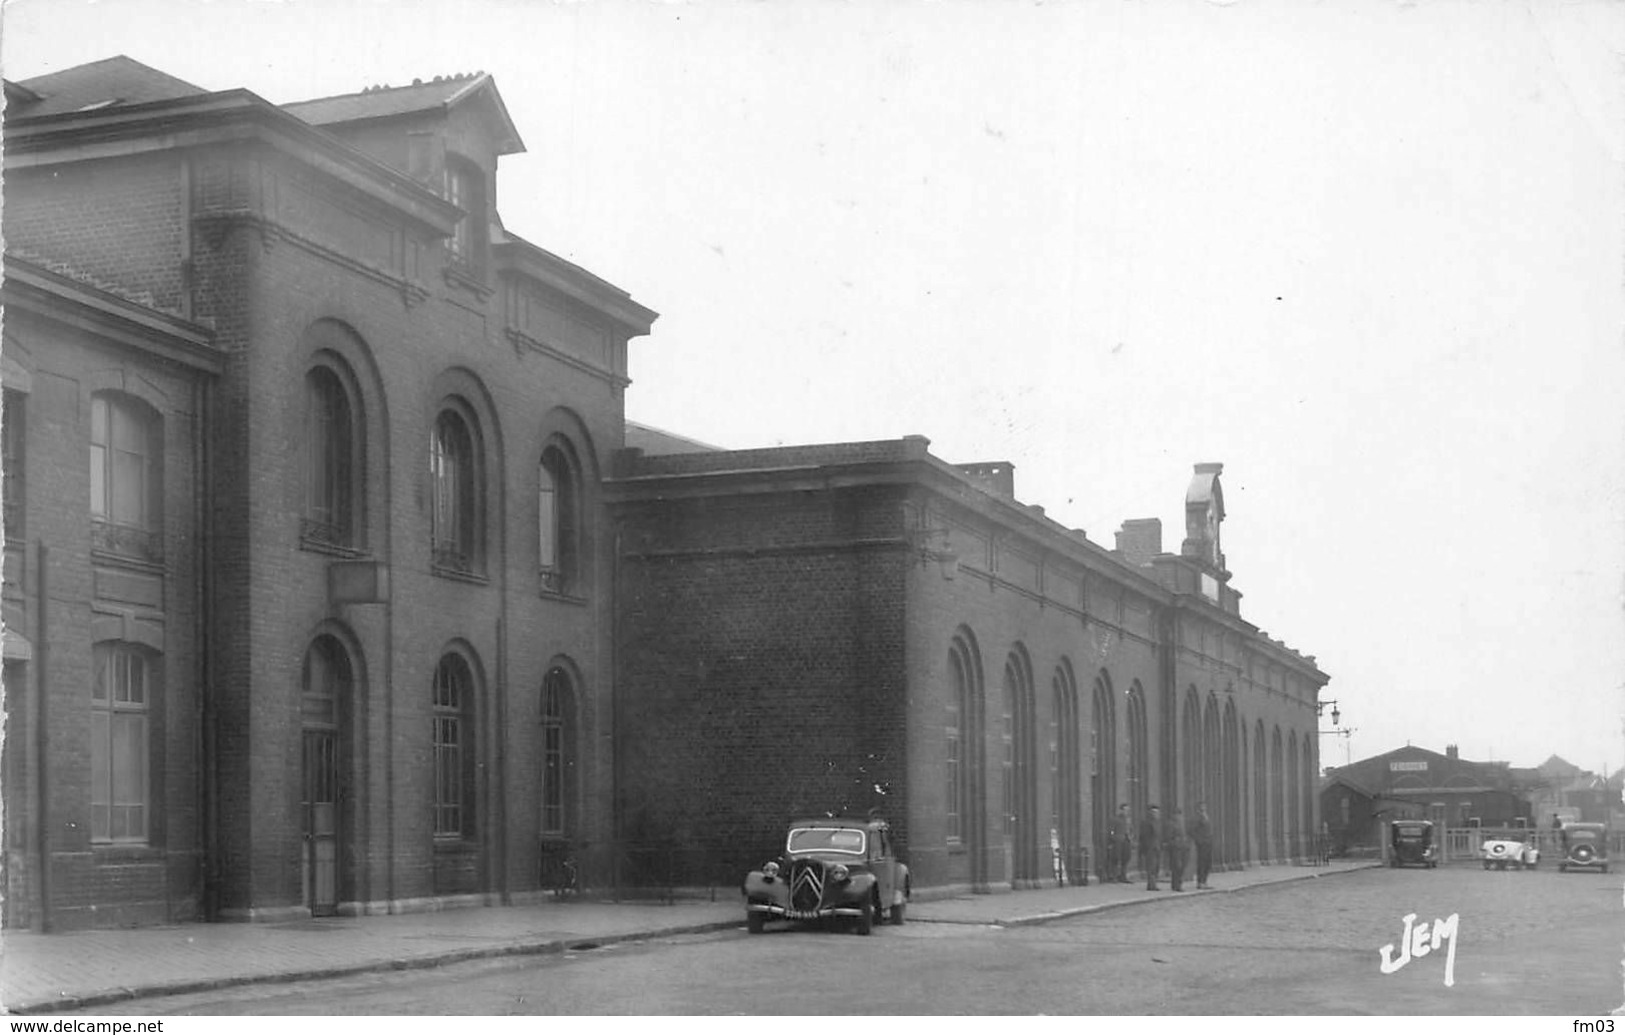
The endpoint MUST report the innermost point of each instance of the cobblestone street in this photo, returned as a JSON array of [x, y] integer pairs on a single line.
[[1529, 943]]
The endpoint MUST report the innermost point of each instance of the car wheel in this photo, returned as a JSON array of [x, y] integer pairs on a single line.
[[1502, 866], [1605, 867], [866, 919], [754, 922], [1562, 867]]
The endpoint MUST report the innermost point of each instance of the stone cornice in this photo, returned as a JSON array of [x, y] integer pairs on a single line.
[[230, 117], [34, 289], [516, 257]]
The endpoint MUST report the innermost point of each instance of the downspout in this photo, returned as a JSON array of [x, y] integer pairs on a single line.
[[500, 832], [42, 835], [209, 813]]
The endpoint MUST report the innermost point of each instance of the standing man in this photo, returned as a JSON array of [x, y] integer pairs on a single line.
[[1177, 844], [1202, 838], [1150, 846], [1122, 844]]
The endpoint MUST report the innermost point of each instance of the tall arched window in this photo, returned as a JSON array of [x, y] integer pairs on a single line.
[[1103, 764], [1293, 814], [1067, 769], [121, 699], [331, 461], [1261, 793], [453, 748], [558, 520], [1277, 795], [954, 770], [558, 752], [1191, 757], [1139, 763], [968, 723], [126, 490], [453, 469], [1021, 763]]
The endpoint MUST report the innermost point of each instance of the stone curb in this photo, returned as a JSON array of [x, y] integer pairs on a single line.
[[69, 1003], [1100, 907]]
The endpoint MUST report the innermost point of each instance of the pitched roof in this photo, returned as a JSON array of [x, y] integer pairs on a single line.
[[99, 84], [382, 102]]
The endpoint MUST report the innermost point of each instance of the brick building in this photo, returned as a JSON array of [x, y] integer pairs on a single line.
[[1413, 782], [307, 584], [857, 626]]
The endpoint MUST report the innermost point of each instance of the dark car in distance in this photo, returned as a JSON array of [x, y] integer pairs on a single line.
[[835, 867], [1411, 844], [1585, 845]]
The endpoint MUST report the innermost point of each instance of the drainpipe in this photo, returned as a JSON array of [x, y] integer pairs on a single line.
[[209, 811], [42, 827]]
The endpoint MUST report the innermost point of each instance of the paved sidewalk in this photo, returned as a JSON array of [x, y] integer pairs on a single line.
[[63, 972]]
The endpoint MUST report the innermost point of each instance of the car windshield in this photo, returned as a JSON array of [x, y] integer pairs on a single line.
[[826, 839], [1582, 835]]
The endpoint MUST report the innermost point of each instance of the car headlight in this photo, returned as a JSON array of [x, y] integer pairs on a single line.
[[770, 870], [840, 872]]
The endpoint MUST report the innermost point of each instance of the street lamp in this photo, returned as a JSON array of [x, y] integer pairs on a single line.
[[1320, 706]]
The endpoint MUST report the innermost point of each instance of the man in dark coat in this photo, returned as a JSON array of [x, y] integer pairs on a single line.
[[1151, 846], [1177, 844], [1202, 837], [1122, 845]]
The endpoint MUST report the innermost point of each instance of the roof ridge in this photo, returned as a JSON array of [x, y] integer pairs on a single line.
[[418, 82]]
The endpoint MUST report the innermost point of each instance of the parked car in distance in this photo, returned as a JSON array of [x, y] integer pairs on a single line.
[[1584, 845], [1411, 844], [1501, 852], [832, 867]]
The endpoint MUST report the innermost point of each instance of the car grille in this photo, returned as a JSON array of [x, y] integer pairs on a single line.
[[806, 884]]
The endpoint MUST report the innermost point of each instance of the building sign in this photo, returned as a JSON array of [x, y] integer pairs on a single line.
[[1407, 767]]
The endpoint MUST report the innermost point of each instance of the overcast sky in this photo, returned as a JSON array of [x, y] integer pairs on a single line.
[[1368, 255]]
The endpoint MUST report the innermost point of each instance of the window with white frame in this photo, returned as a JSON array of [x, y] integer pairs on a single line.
[[558, 520], [557, 763], [330, 461], [121, 701], [125, 489], [453, 747], [454, 518]]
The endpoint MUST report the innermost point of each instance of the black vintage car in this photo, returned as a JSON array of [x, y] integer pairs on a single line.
[[1585, 845], [1411, 844], [832, 868]]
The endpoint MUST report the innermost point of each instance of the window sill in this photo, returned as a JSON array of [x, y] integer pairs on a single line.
[[956, 847], [116, 853], [562, 596], [473, 578], [321, 546], [124, 560], [454, 844]]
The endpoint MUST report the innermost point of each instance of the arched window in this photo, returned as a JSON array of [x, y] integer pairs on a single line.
[[121, 698], [331, 461], [126, 488], [558, 752], [1139, 763], [954, 763], [455, 519], [453, 748], [558, 521]]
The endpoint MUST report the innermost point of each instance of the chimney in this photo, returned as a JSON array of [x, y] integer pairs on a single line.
[[994, 475], [1452, 751], [1139, 540]]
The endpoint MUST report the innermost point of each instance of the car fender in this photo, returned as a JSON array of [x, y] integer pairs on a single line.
[[861, 885], [758, 886]]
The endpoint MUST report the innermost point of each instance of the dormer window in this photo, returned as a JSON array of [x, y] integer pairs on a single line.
[[465, 188]]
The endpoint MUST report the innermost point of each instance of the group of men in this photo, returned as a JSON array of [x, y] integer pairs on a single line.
[[1162, 842]]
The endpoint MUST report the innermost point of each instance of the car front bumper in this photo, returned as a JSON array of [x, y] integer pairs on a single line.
[[773, 909]]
